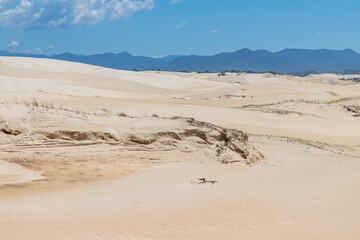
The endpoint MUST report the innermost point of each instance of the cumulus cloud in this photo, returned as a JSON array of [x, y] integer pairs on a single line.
[[175, 1], [181, 25], [13, 44], [52, 15]]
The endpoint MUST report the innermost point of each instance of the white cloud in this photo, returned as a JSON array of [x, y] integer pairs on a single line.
[[175, 1], [56, 14], [34, 51], [320, 33], [51, 46], [214, 31], [181, 25], [13, 44]]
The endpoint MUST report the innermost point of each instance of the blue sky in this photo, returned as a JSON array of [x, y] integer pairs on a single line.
[[165, 27]]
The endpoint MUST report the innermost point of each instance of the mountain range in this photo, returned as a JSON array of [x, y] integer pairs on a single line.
[[291, 61]]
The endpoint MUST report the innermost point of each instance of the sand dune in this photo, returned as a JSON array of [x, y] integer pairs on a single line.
[[94, 153]]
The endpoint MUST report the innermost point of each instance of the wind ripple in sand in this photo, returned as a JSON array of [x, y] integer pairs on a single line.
[[11, 173]]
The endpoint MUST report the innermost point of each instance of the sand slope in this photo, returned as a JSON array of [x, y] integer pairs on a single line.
[[15, 174]]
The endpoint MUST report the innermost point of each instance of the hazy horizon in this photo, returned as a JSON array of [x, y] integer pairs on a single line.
[[179, 54]]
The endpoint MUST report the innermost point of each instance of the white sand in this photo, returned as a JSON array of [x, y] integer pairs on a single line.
[[98, 187]]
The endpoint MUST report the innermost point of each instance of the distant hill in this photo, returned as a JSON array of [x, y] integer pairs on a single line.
[[285, 61], [124, 60], [8, 54]]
